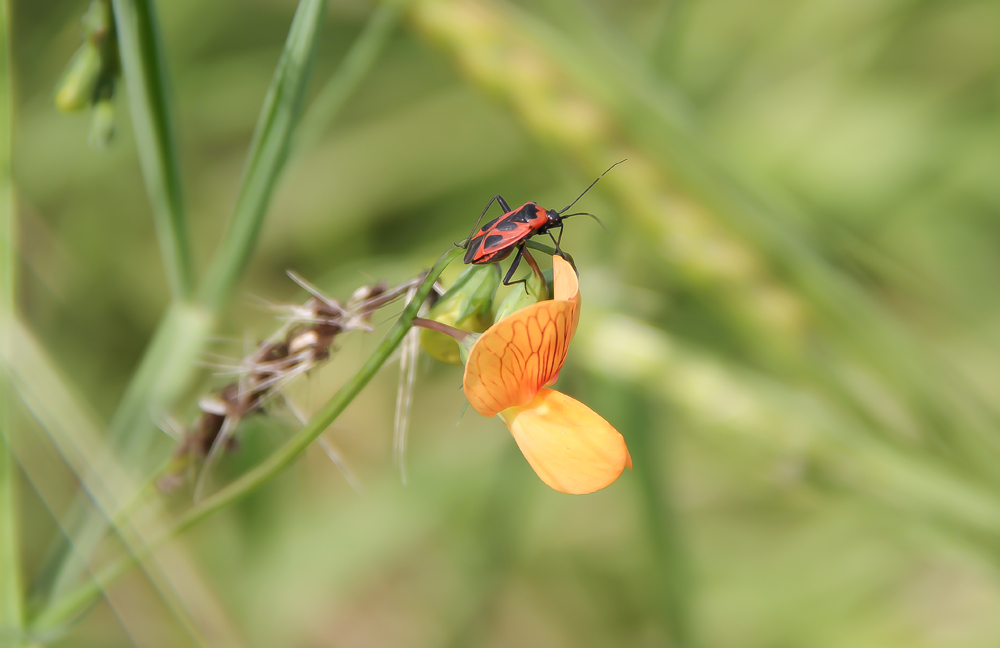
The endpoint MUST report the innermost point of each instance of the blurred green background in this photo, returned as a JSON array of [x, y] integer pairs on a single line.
[[793, 320]]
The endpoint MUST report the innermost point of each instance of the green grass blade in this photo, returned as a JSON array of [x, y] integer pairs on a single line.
[[72, 432], [11, 588], [268, 153], [650, 440], [167, 366], [669, 29], [356, 64], [64, 608], [144, 69], [169, 361]]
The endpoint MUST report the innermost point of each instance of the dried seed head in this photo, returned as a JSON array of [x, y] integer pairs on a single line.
[[302, 344]]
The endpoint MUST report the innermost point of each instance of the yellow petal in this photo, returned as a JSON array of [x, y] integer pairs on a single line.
[[565, 284], [523, 352], [570, 447]]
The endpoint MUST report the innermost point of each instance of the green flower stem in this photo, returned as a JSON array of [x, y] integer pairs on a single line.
[[65, 608]]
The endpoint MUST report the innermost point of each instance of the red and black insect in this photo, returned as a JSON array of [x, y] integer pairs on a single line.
[[495, 240]]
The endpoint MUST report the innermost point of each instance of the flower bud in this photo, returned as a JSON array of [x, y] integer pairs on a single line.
[[467, 305], [76, 88], [102, 124]]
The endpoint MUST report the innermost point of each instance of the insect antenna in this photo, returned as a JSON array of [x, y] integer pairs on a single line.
[[566, 208], [599, 221]]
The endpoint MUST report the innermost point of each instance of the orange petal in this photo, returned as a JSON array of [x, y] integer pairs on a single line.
[[519, 354], [570, 447], [523, 352]]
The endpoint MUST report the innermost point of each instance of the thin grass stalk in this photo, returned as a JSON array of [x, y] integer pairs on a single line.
[[267, 156], [673, 579], [356, 65], [669, 31], [66, 607], [11, 586], [169, 361], [494, 531], [145, 70], [633, 411], [165, 369]]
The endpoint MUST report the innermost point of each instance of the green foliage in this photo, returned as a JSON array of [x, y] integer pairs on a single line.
[[791, 318]]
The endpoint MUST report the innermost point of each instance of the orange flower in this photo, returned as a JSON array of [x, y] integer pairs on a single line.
[[570, 447]]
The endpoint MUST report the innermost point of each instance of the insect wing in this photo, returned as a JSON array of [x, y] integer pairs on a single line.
[[497, 239]]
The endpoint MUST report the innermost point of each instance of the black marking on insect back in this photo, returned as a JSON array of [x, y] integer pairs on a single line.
[[492, 241], [507, 225], [525, 214], [489, 224]]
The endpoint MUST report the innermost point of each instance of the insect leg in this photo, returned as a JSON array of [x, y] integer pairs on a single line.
[[503, 205], [555, 240], [513, 267]]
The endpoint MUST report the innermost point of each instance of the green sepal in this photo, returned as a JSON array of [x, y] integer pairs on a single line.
[[467, 305]]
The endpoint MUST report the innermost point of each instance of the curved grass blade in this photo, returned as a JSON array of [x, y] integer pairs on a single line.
[[268, 153], [71, 430]]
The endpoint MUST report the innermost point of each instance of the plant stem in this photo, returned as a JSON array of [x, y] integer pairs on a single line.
[[433, 325], [355, 66], [268, 153], [169, 360], [669, 30], [650, 437], [11, 587], [145, 71], [63, 609]]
